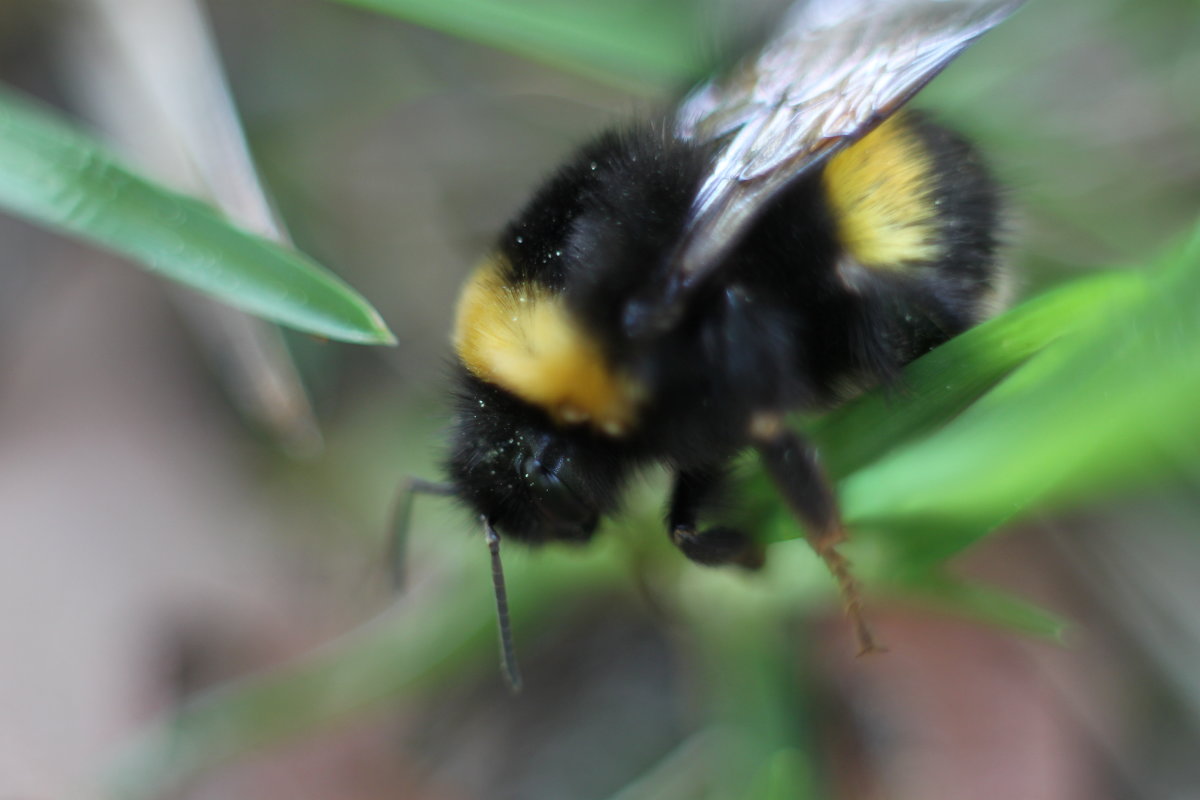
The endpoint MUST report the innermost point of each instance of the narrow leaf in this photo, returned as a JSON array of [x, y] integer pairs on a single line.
[[1111, 406], [983, 604], [625, 42], [942, 384], [54, 176]]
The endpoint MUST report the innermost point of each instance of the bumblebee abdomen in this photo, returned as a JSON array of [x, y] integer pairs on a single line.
[[906, 194], [882, 192], [915, 213]]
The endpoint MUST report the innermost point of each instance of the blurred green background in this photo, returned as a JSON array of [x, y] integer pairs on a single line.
[[195, 592]]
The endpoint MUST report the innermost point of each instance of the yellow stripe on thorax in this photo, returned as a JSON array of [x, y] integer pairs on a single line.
[[881, 191], [523, 339]]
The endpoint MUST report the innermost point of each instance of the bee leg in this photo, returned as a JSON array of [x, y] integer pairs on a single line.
[[401, 519], [794, 467], [711, 546]]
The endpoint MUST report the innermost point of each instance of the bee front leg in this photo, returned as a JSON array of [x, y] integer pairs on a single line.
[[793, 465], [401, 519], [712, 546]]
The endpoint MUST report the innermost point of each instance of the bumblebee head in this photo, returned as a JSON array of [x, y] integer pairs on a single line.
[[533, 479]]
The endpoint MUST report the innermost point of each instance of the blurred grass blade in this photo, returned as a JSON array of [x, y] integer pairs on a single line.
[[945, 382], [683, 773], [752, 688], [983, 604], [936, 389], [409, 652], [1087, 390], [629, 43], [782, 775], [56, 177], [1110, 406]]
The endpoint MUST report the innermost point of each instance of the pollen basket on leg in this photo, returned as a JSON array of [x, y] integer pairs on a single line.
[[521, 337], [881, 191]]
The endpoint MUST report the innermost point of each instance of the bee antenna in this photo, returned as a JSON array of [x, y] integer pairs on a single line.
[[508, 653]]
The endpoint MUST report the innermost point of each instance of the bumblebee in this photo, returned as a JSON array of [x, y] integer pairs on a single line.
[[786, 235]]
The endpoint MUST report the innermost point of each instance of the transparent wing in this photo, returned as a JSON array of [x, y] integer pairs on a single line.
[[836, 69]]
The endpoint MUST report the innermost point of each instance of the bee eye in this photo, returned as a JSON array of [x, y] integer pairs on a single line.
[[550, 481]]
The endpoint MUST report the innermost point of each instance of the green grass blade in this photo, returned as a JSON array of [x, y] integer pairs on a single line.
[[942, 384], [683, 774], [54, 176], [782, 776], [1085, 390], [1110, 405], [983, 604], [936, 389], [629, 43]]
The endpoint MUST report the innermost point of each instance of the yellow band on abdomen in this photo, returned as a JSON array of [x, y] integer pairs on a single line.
[[881, 190]]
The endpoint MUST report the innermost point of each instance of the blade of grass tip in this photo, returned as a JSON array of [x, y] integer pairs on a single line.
[[54, 176], [148, 71], [940, 592]]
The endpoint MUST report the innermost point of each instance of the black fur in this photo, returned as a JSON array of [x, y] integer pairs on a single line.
[[779, 329]]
